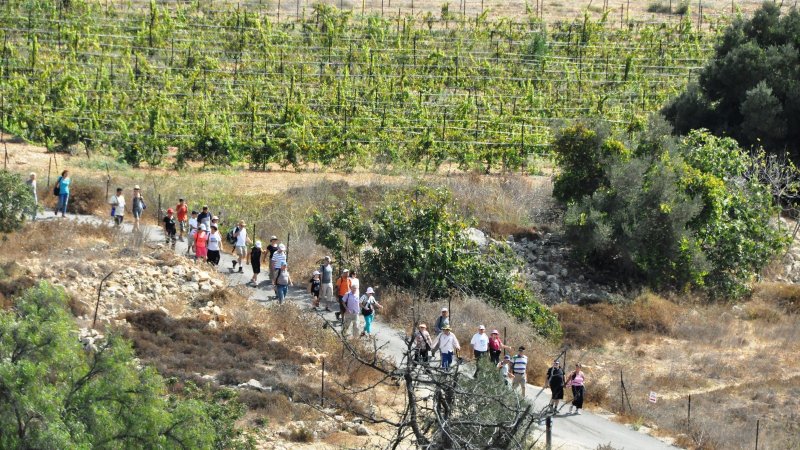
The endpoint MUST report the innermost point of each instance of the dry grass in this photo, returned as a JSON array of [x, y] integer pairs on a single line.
[[785, 296]]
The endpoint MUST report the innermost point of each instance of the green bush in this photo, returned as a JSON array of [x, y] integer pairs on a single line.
[[581, 153], [750, 89], [415, 240], [53, 394], [683, 217], [16, 202]]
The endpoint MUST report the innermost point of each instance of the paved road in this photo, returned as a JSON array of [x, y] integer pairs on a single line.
[[570, 432]]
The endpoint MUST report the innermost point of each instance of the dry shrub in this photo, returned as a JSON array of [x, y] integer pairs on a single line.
[[757, 310], [501, 230], [648, 312], [583, 327], [45, 236], [597, 395], [784, 295], [301, 435], [86, 199]]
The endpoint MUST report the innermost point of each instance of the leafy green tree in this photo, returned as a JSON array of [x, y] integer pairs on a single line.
[[415, 240], [15, 203], [751, 88], [684, 216], [53, 394], [581, 153]]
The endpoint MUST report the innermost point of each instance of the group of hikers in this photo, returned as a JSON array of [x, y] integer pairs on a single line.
[[513, 368], [201, 231]]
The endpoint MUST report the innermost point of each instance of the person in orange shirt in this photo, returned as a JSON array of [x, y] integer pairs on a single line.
[[342, 289], [182, 211]]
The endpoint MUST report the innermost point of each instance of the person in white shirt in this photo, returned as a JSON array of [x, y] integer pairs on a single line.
[[505, 369], [32, 186], [118, 207], [214, 245], [193, 224], [447, 344], [355, 283], [240, 248], [480, 343]]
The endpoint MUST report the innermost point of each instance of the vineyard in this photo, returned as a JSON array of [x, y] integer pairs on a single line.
[[222, 84]]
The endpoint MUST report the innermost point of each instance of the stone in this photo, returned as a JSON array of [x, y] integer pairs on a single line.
[[361, 430], [338, 418], [552, 279], [541, 274], [477, 236], [203, 276], [564, 273], [212, 325]]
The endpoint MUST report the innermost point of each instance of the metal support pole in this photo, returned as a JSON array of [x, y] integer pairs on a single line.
[[758, 426], [548, 433], [689, 415]]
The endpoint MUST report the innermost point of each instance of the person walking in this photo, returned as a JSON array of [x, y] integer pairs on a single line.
[[342, 289], [519, 367], [201, 243], [204, 217], [169, 227], [282, 282], [214, 245], [62, 191], [479, 343], [326, 282], [240, 245], [313, 289], [422, 344], [354, 281], [505, 369], [271, 249], [137, 207], [278, 258], [555, 381], [447, 344], [442, 321], [118, 207], [31, 182], [496, 347], [182, 212], [368, 305], [352, 308], [576, 380], [255, 262], [193, 226]]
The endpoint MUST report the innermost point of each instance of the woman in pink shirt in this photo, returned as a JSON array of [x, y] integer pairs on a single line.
[[576, 379], [201, 243]]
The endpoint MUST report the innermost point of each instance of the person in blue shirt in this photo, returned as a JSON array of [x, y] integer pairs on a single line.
[[63, 192]]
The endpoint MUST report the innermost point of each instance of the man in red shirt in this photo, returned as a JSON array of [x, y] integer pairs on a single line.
[[182, 211]]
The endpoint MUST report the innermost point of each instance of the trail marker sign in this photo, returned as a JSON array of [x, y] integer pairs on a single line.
[[653, 397]]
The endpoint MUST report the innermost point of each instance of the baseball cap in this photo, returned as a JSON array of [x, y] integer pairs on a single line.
[[446, 327], [521, 348], [273, 238], [345, 270], [136, 188], [316, 272], [327, 258], [170, 211], [214, 217], [495, 332], [203, 227], [281, 247], [194, 213], [481, 327], [507, 357], [258, 244], [444, 309]]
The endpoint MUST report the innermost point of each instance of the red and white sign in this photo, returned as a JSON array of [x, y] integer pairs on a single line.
[[653, 397]]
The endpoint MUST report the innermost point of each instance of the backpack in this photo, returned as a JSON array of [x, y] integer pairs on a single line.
[[57, 187], [231, 236], [367, 309]]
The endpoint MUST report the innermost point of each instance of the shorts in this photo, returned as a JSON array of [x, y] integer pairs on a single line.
[[241, 251], [183, 224], [118, 219], [137, 213]]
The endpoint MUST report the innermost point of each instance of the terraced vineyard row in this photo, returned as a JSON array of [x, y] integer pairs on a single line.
[[224, 86]]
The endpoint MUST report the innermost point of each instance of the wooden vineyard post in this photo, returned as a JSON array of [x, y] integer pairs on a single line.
[[279, 10], [689, 415], [322, 387]]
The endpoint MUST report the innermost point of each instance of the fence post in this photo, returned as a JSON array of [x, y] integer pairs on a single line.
[[689, 415], [621, 393], [288, 239], [758, 426], [548, 433], [505, 338], [322, 388]]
